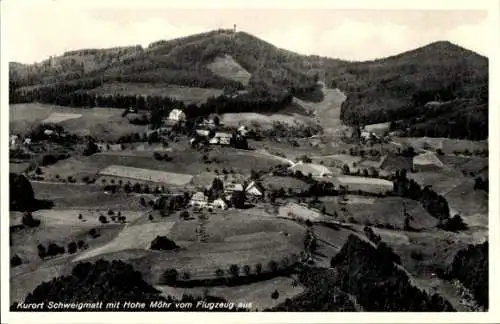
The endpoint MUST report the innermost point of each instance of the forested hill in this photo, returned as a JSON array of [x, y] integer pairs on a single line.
[[396, 89], [180, 61], [439, 90]]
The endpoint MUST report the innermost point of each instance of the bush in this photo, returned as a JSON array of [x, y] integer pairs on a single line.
[[72, 247], [163, 243], [15, 261], [81, 244], [94, 233], [258, 268], [169, 276], [111, 212], [103, 219], [275, 295]]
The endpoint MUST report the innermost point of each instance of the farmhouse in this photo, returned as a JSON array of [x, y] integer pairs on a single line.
[[203, 132], [221, 138], [232, 187], [219, 203], [254, 189], [177, 115], [427, 162], [13, 140], [199, 200], [316, 170], [242, 130], [48, 132], [27, 141]]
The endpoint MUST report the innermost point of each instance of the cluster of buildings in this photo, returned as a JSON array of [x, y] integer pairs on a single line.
[[201, 200]]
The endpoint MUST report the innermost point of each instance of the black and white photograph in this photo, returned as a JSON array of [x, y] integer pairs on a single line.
[[232, 159]]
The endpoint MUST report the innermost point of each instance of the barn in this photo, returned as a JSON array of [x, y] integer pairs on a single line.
[[427, 162]]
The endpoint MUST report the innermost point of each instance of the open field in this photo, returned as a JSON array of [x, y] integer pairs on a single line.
[[258, 293], [228, 68], [471, 204], [275, 183], [441, 182], [56, 117], [146, 175], [189, 95], [80, 196], [265, 122], [299, 212], [131, 237], [231, 239], [447, 145], [101, 123], [365, 184], [327, 112], [386, 211]]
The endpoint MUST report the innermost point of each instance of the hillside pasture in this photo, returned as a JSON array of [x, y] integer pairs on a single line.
[[146, 175], [80, 196], [231, 239], [287, 183], [57, 117], [228, 68], [382, 212], [131, 237], [104, 124], [373, 185], [257, 293], [441, 182], [266, 122], [471, 204], [327, 112]]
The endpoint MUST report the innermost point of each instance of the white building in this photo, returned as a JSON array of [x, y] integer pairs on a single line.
[[219, 203], [242, 130], [254, 189], [199, 200], [177, 115], [221, 138]]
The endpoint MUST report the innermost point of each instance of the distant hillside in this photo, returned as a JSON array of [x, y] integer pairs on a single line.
[[393, 89], [398, 88]]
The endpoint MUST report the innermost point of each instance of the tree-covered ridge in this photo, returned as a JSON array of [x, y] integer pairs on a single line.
[[470, 266], [108, 282], [399, 87]]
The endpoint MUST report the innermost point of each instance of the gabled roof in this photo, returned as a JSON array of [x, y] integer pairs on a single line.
[[427, 158], [256, 185], [199, 196], [234, 187], [223, 134]]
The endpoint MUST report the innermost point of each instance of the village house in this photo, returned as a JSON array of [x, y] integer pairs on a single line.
[[177, 115], [13, 140], [199, 200], [221, 138], [254, 189], [316, 170], [243, 130], [219, 204], [27, 141]]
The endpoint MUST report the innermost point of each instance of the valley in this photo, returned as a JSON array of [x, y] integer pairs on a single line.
[[247, 177]]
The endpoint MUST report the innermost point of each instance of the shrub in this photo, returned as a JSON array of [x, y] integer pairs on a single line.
[[163, 243], [275, 295], [273, 266], [246, 269], [80, 244], [186, 276], [234, 270], [15, 261], [169, 276], [72, 247], [103, 219], [111, 212], [258, 268]]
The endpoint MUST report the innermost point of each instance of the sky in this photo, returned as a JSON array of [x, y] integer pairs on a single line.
[[337, 33]]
